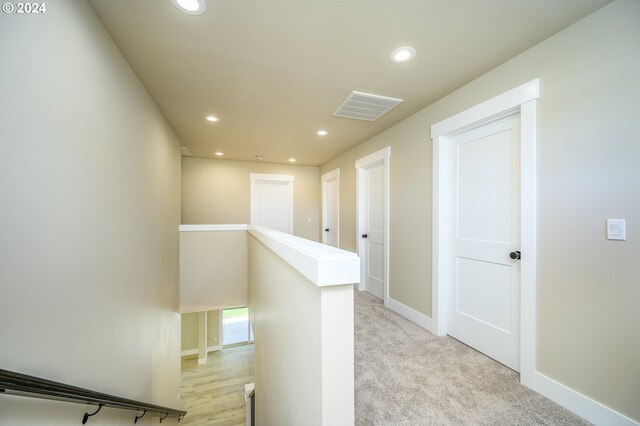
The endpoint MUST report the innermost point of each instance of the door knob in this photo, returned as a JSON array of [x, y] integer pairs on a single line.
[[364, 235], [326, 229], [515, 255]]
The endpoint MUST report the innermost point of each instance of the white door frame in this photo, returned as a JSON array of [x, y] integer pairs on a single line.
[[382, 156], [325, 178], [522, 100], [256, 178]]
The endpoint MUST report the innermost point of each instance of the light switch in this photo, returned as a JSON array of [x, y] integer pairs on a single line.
[[616, 229], [309, 219]]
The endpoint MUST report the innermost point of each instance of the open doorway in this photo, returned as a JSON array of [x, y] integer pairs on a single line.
[[236, 326]]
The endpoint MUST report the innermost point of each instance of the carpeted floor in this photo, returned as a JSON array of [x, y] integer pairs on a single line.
[[407, 376]]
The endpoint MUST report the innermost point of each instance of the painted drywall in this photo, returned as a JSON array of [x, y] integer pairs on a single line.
[[190, 330], [588, 156], [305, 374], [213, 270], [90, 208], [218, 191]]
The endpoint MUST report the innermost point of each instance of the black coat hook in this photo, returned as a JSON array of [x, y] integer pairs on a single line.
[[139, 417], [87, 415], [165, 416]]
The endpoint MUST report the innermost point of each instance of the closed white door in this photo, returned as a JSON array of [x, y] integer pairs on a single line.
[[484, 309], [330, 208], [372, 241], [272, 202]]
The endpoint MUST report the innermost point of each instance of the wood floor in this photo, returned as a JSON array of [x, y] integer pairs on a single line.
[[213, 393]]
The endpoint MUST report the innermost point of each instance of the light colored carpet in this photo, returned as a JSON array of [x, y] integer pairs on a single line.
[[407, 376]]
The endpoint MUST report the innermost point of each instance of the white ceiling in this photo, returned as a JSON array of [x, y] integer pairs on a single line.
[[275, 70]]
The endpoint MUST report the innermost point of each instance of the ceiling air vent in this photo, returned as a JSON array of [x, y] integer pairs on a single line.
[[365, 106]]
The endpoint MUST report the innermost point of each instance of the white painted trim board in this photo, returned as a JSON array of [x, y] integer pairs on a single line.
[[213, 227], [323, 265], [410, 314], [587, 408]]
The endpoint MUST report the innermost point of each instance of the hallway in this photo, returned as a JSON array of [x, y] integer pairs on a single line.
[[404, 375]]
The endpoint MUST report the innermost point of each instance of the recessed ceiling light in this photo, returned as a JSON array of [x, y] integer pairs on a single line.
[[212, 118], [322, 133], [219, 154], [402, 55], [190, 7], [292, 160]]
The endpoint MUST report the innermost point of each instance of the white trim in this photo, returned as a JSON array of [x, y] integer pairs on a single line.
[[261, 177], [279, 178], [373, 158], [492, 107], [323, 265], [411, 314], [383, 156], [528, 241], [325, 178], [217, 227], [330, 175], [582, 405], [189, 352], [522, 99]]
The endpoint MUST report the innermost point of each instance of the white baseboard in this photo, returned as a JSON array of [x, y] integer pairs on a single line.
[[189, 352], [410, 314], [582, 405]]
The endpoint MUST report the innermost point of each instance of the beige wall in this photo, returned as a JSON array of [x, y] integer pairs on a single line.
[[90, 208], [190, 330], [213, 270], [588, 157], [218, 191], [304, 376]]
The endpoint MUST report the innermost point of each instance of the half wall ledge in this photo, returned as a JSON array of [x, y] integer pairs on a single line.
[[321, 264]]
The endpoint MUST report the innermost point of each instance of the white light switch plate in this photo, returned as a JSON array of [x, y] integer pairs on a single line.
[[616, 229]]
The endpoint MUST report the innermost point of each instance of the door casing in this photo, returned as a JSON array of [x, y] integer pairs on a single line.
[[382, 156], [522, 99]]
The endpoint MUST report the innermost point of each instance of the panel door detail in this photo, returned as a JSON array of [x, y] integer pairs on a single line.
[[485, 298], [373, 236]]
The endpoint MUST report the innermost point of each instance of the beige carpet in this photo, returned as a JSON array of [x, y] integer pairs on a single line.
[[407, 376]]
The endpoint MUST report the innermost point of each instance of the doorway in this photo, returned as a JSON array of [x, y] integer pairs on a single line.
[[236, 326], [478, 172], [331, 208], [484, 302], [272, 201], [372, 238]]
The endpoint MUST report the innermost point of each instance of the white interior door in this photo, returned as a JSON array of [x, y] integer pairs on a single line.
[[330, 207], [272, 201], [484, 309], [373, 230]]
